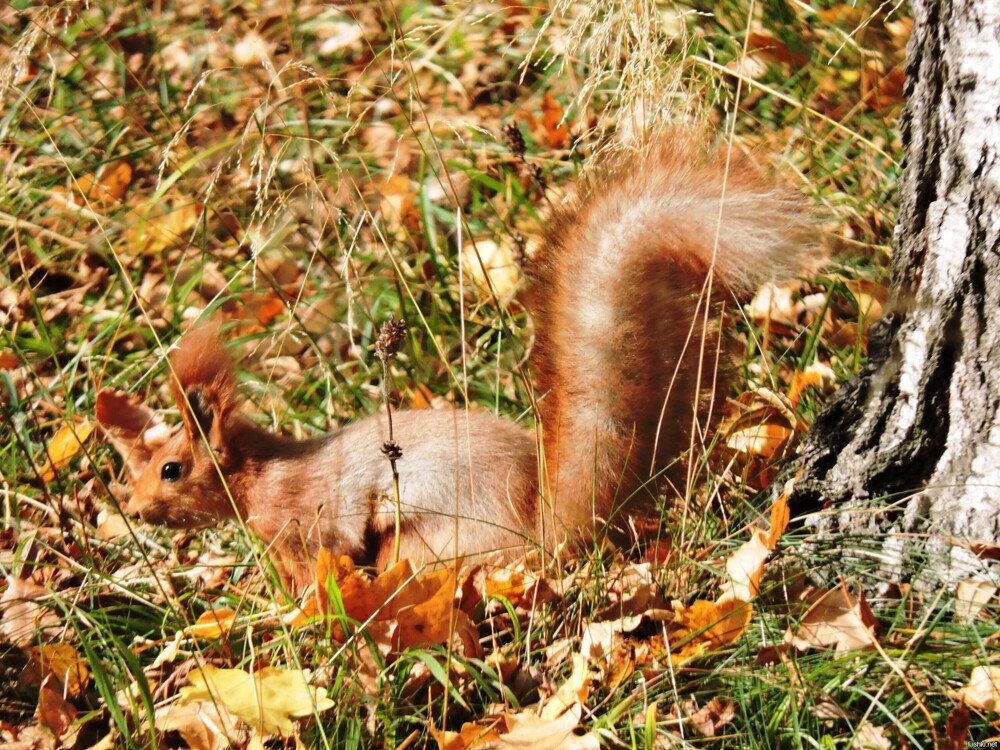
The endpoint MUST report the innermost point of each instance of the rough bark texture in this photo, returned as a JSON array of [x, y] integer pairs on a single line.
[[907, 455]]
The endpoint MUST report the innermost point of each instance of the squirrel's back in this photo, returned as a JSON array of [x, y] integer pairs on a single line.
[[626, 309]]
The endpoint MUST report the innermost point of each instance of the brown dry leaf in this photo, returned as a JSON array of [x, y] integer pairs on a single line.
[[956, 731], [773, 50], [970, 598], [870, 298], [353, 588], [983, 690], [760, 433], [572, 693], [602, 638], [338, 35], [424, 607], [880, 90], [621, 666], [710, 718], [871, 737], [57, 715], [63, 446], [9, 360], [157, 230], [23, 616], [835, 619], [203, 726], [60, 665], [267, 700], [526, 731]]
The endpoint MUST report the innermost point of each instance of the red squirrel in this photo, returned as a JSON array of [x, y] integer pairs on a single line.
[[625, 294]]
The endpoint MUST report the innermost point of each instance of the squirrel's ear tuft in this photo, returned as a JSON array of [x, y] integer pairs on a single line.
[[204, 384]]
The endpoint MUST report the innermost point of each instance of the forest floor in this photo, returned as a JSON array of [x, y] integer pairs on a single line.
[[304, 172]]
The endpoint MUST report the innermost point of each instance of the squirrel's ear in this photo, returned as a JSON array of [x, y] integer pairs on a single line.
[[134, 431], [204, 385]]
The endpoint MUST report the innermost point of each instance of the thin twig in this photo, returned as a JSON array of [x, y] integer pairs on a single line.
[[386, 346]]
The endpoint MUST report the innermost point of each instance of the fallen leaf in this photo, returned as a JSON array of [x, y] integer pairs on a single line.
[[956, 731], [706, 626], [339, 35], [744, 569], [160, 227], [56, 714], [23, 617], [491, 266], [63, 446], [871, 737], [970, 597], [90, 190], [571, 693], [267, 700], [397, 205], [470, 736], [60, 664], [212, 624], [714, 715], [531, 732], [435, 619], [551, 130], [983, 690], [836, 620], [764, 441], [203, 725], [780, 516]]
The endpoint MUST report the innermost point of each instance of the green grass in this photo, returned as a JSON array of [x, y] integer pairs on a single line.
[[295, 219]]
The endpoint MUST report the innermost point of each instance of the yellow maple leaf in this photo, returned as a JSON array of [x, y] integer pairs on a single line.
[[267, 700]]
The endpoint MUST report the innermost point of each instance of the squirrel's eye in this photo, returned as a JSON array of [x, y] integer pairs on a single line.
[[171, 471]]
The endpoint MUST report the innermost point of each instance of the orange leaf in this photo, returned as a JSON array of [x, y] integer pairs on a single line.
[[60, 664], [709, 625], [554, 133], [435, 618], [103, 191], [471, 736], [54, 712], [65, 444], [800, 381], [780, 516], [212, 624]]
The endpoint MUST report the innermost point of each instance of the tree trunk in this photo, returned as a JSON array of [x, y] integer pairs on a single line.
[[908, 453]]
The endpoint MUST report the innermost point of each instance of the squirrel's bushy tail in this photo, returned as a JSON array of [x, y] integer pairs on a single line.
[[626, 318]]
